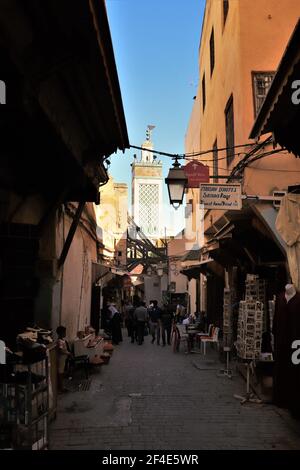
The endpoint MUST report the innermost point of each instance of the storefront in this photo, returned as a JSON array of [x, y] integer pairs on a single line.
[[280, 115]]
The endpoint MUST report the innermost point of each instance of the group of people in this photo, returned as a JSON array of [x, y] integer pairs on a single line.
[[139, 318], [159, 320]]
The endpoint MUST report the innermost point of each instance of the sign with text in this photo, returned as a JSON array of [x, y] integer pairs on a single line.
[[221, 196], [196, 173]]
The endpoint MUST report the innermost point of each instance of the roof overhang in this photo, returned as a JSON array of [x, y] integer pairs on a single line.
[[208, 267], [64, 113]]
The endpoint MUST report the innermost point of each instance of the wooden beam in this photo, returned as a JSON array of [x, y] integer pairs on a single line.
[[71, 234]]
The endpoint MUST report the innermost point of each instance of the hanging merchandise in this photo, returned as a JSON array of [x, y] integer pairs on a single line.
[[287, 224], [227, 317], [250, 323], [250, 329]]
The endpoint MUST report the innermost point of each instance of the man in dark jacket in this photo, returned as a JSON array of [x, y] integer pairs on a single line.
[[167, 317], [141, 317], [154, 319]]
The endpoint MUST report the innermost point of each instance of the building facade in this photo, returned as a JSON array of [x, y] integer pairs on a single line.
[[240, 49]]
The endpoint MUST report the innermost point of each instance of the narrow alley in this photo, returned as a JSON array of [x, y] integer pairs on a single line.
[[149, 185], [148, 397]]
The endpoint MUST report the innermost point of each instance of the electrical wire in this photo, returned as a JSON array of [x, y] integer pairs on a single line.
[[243, 163], [217, 159], [273, 169], [258, 157], [249, 157], [181, 156], [219, 149]]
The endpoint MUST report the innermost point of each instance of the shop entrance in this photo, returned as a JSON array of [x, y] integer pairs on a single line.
[[215, 292]]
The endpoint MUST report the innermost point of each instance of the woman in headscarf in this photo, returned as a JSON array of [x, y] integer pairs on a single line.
[[115, 322]]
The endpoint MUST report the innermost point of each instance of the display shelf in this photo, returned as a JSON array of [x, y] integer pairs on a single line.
[[27, 406]]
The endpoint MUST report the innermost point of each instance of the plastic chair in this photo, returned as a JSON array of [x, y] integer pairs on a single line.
[[214, 338], [204, 335]]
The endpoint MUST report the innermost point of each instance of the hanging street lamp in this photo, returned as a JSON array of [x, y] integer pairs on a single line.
[[177, 182]]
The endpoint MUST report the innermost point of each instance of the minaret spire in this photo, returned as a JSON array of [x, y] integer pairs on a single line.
[[147, 157]]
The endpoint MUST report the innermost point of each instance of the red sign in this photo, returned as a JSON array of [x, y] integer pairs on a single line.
[[196, 173]]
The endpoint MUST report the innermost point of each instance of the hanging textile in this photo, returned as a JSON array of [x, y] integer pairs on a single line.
[[288, 226]]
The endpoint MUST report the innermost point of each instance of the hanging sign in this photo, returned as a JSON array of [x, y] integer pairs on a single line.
[[221, 196], [196, 173]]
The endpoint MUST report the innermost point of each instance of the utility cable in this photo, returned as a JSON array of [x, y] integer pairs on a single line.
[[181, 156]]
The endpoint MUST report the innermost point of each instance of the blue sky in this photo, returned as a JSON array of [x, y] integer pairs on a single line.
[[156, 50]]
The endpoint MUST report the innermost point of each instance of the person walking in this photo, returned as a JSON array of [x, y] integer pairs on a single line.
[[115, 322], [127, 317], [132, 324], [167, 317], [141, 317], [154, 321]]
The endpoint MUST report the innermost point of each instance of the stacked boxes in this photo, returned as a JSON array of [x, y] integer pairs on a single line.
[[227, 317], [250, 323], [256, 290]]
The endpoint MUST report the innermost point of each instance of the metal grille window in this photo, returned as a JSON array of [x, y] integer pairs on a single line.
[[261, 84], [225, 10], [215, 161], [203, 93], [212, 51], [229, 123], [149, 208]]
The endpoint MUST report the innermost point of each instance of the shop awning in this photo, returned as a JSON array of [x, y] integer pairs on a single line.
[[207, 267], [191, 255], [268, 214], [278, 113], [99, 271], [120, 272], [248, 238]]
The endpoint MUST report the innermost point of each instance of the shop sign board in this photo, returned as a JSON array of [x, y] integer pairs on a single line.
[[221, 196], [196, 173]]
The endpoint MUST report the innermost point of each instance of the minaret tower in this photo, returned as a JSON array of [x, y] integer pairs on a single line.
[[147, 190]]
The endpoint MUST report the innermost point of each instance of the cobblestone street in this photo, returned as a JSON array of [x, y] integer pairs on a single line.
[[150, 398]]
